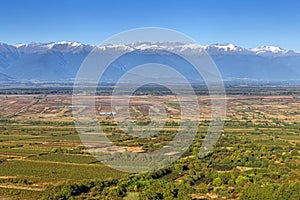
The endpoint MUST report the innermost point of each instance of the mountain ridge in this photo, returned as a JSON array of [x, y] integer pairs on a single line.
[[75, 46], [61, 60]]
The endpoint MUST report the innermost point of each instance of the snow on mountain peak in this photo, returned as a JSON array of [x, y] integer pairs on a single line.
[[20, 45], [188, 48], [268, 50], [34, 47], [225, 47], [110, 48]]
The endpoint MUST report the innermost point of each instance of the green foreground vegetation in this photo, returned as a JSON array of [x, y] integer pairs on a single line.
[[256, 157]]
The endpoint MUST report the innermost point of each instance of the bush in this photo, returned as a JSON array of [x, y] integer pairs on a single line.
[[217, 181], [288, 192], [256, 192]]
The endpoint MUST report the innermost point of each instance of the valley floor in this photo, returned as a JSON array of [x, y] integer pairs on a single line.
[[41, 154]]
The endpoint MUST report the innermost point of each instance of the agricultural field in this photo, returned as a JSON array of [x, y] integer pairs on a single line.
[[257, 155]]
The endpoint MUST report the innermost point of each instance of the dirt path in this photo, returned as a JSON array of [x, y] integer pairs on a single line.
[[21, 188]]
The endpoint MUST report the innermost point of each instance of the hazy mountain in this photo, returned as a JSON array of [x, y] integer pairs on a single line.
[[61, 60], [4, 79]]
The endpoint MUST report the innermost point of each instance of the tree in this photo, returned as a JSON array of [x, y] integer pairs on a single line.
[[217, 181], [202, 188], [241, 181], [257, 192], [288, 192]]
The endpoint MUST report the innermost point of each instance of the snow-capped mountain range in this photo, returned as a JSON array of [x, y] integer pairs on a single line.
[[76, 47], [61, 60]]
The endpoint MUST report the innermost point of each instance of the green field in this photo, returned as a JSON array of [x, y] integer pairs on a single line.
[[256, 157]]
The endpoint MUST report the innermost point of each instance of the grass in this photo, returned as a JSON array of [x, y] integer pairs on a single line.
[[66, 158], [57, 171], [16, 194]]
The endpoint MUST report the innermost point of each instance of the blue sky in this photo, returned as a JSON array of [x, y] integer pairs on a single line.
[[245, 23]]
